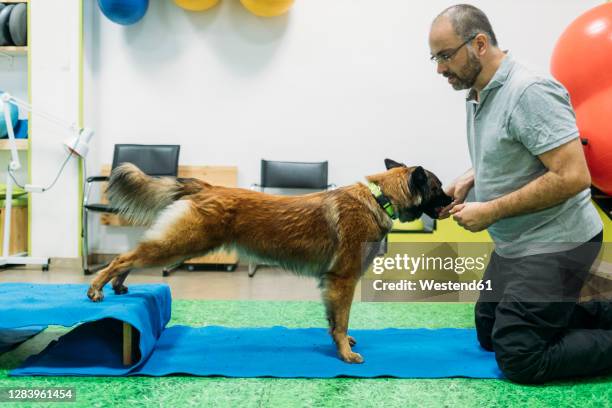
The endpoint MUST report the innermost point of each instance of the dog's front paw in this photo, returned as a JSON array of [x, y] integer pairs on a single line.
[[94, 294], [352, 358]]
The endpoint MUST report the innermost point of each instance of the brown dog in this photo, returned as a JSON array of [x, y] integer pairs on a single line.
[[319, 235]]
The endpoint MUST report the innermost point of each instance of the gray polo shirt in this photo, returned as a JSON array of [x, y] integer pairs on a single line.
[[521, 115]]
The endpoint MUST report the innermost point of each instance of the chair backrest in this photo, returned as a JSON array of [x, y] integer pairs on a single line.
[[282, 174], [154, 160]]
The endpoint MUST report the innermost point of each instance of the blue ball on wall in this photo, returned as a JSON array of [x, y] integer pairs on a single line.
[[124, 12], [14, 112]]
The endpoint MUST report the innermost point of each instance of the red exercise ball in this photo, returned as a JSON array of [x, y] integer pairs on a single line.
[[595, 126], [582, 62], [582, 58]]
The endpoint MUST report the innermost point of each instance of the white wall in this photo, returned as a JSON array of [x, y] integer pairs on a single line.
[[344, 80]]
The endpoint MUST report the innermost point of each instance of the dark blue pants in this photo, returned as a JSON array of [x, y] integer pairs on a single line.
[[533, 322]]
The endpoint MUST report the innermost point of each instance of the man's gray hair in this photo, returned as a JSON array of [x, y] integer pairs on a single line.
[[468, 21]]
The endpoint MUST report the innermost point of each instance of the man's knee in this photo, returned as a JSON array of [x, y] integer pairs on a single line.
[[522, 368], [522, 374]]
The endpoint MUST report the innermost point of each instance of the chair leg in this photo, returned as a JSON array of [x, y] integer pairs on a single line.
[[85, 243], [252, 269], [169, 269]]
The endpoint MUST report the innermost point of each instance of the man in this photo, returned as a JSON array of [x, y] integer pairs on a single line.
[[531, 185]]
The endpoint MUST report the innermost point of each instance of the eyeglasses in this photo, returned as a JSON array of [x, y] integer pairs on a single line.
[[444, 57]]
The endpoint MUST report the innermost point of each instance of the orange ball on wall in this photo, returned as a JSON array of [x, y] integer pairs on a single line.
[[196, 5], [267, 8]]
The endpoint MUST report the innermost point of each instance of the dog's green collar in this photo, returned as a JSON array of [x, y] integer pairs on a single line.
[[382, 200]]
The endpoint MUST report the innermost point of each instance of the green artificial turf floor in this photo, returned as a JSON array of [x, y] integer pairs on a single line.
[[342, 392]]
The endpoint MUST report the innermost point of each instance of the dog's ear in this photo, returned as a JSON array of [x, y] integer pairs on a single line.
[[418, 180], [390, 164]]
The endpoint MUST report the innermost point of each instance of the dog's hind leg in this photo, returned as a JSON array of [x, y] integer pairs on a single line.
[[180, 235], [119, 265], [147, 253], [338, 297]]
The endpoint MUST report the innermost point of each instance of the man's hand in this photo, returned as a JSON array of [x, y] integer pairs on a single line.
[[459, 191], [474, 216]]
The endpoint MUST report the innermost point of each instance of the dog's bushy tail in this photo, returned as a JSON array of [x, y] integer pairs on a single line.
[[139, 197]]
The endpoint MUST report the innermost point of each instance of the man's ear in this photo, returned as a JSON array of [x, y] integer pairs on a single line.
[[390, 164], [418, 180]]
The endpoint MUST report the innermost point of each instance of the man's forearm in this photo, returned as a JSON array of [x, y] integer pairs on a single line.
[[546, 191]]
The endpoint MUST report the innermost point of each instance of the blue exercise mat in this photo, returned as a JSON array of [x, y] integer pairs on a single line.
[[94, 348], [310, 353]]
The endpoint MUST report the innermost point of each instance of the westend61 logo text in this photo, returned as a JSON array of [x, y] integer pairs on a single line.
[[413, 264]]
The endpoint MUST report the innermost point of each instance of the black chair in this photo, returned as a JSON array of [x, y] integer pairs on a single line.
[[154, 160], [291, 175]]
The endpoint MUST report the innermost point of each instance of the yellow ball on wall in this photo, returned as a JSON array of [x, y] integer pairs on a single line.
[[267, 8], [196, 5]]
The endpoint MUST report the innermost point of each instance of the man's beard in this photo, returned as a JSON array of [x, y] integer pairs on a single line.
[[467, 77]]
